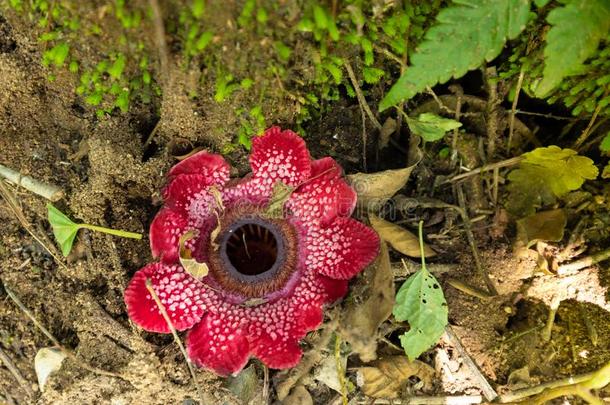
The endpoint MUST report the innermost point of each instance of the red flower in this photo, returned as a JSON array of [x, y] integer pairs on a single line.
[[269, 275]]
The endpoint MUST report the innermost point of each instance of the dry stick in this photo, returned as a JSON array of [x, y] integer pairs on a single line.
[[309, 360], [56, 342], [597, 139], [16, 373], [456, 131], [472, 242], [468, 289], [49, 191], [340, 370], [555, 117], [14, 207], [265, 384], [488, 392], [170, 325], [503, 163], [585, 134], [429, 400], [360, 96], [492, 110], [584, 262], [515, 396], [513, 111]]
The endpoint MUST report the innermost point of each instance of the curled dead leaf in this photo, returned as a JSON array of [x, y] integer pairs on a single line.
[[371, 303], [373, 189], [542, 226], [298, 396], [399, 238], [385, 377]]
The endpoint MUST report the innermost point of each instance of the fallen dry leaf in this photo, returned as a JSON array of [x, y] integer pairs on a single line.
[[374, 189], [298, 396], [372, 300], [47, 361], [389, 127], [385, 377], [543, 226], [399, 238]]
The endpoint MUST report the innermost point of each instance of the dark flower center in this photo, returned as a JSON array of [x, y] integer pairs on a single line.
[[251, 247]]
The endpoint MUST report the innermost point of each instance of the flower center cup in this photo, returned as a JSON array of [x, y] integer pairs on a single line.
[[252, 249], [255, 256]]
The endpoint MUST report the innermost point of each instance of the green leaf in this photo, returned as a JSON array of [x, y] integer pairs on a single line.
[[64, 229], [604, 146], [421, 302], [544, 175], [56, 55], [464, 36], [116, 69], [372, 75], [431, 127], [320, 17], [197, 8], [577, 30]]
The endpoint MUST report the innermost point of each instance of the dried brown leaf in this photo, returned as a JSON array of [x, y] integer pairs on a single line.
[[399, 238], [375, 188], [543, 226], [386, 376], [298, 396], [371, 304]]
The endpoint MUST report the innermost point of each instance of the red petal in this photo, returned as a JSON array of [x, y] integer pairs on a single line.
[[165, 232], [216, 345], [279, 155], [186, 189], [325, 196], [213, 167], [181, 295], [278, 354], [342, 249], [333, 288]]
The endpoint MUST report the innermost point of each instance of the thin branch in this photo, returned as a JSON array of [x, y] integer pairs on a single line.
[[513, 111], [503, 163], [49, 191], [56, 342], [23, 383], [584, 262], [171, 327], [585, 134], [473, 245], [360, 96]]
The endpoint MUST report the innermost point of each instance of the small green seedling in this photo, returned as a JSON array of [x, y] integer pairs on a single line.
[[65, 229], [421, 302]]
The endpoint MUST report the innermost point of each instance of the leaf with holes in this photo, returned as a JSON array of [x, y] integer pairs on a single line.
[[466, 34], [431, 127], [421, 302]]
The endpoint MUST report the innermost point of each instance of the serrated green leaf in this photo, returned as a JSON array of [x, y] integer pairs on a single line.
[[64, 229], [431, 127], [543, 175], [372, 75], [420, 301], [116, 69], [464, 36], [577, 30]]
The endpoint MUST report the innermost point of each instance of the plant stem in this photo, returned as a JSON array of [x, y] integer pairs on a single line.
[[115, 232]]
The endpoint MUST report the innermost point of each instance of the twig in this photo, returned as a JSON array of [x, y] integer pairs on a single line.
[[56, 342], [555, 117], [360, 96], [584, 262], [472, 242], [591, 330], [340, 370], [309, 360], [548, 329], [389, 54], [16, 209], [492, 112], [488, 392], [517, 395], [49, 191], [171, 327], [503, 163], [429, 400], [16, 373], [456, 131], [160, 39], [265, 384], [513, 111], [467, 289], [363, 137], [585, 134]]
